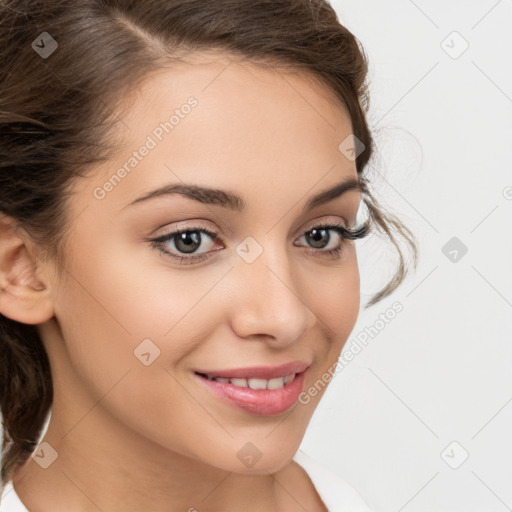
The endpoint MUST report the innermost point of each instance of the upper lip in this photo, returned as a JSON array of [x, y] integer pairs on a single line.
[[259, 372]]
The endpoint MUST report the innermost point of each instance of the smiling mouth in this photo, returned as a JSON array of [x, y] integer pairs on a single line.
[[254, 394], [253, 383]]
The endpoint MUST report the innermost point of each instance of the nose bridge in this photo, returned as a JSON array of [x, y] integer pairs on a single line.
[[268, 300]]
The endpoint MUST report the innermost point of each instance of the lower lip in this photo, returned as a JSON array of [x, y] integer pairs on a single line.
[[263, 402]]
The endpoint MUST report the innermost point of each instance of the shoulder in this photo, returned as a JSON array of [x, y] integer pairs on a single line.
[[336, 493]]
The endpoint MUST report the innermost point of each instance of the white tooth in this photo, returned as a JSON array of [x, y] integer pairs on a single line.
[[289, 378], [221, 379], [257, 383], [239, 382], [275, 383]]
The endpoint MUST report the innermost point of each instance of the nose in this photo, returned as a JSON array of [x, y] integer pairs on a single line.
[[268, 302]]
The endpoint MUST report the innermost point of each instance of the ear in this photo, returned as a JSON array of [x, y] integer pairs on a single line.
[[24, 296]]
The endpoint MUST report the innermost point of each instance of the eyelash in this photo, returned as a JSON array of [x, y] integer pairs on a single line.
[[345, 234]]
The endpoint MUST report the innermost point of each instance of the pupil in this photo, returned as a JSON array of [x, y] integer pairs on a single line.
[[189, 239], [316, 235]]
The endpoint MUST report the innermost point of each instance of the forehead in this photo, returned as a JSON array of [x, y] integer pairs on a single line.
[[248, 124], [232, 93], [203, 71]]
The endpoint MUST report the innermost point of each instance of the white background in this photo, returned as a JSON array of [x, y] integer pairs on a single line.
[[441, 370]]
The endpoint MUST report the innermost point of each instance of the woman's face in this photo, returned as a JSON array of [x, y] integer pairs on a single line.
[[133, 324]]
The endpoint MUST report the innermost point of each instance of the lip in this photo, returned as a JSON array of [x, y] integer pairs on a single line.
[[258, 372], [261, 402]]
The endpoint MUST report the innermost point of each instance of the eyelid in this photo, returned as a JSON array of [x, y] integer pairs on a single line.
[[215, 234], [332, 220]]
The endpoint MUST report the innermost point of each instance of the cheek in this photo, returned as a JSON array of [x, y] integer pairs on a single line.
[[132, 292], [104, 323], [337, 299], [128, 329]]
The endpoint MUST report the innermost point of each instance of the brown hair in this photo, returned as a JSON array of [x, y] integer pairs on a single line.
[[56, 117]]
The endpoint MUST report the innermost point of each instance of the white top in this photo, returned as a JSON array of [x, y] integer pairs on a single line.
[[336, 493]]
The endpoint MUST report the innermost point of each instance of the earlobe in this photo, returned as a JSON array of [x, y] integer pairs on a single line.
[[24, 296]]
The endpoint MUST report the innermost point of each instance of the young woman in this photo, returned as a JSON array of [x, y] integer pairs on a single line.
[[180, 182]]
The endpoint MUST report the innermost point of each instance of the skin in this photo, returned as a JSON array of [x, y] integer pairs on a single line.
[[128, 435]]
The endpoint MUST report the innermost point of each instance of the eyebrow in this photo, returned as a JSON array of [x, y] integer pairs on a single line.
[[234, 202]]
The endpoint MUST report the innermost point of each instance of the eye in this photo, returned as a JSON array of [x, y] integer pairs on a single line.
[[187, 241], [321, 236]]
